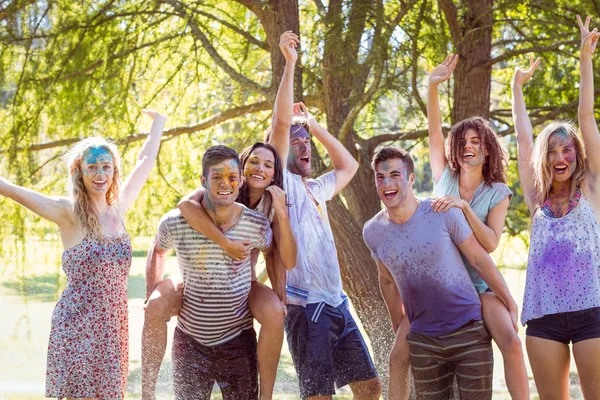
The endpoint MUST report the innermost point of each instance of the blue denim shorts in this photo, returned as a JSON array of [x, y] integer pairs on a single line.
[[327, 348], [566, 327]]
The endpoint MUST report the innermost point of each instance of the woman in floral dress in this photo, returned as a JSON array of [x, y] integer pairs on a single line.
[[88, 347]]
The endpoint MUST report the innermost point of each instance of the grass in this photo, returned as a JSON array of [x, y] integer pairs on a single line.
[[29, 289]]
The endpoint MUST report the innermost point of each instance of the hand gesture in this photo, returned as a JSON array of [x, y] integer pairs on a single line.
[[155, 115], [443, 204], [239, 250], [513, 311], [300, 110], [278, 196], [588, 39], [442, 72], [520, 76], [288, 42]]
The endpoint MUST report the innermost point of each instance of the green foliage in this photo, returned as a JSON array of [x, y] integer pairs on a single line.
[[71, 69]]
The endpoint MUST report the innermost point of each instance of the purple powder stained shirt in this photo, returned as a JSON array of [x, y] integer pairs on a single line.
[[427, 267], [563, 270]]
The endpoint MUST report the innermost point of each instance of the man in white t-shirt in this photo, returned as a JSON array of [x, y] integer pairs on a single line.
[[326, 345]]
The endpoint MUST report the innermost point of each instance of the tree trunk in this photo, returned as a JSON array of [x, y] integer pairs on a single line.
[[472, 80]]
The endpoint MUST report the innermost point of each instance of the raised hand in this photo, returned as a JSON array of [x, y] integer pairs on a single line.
[[442, 72], [279, 202], [522, 76], [588, 39], [155, 115], [300, 110], [288, 42]]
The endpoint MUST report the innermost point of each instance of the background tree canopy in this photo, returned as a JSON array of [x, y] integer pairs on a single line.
[[76, 68]]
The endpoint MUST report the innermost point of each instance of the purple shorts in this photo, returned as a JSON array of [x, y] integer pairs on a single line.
[[566, 327]]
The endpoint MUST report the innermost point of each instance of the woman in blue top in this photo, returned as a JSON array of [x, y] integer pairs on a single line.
[[469, 174]]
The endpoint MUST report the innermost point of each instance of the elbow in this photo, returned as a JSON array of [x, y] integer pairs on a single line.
[[185, 205], [290, 261], [352, 166], [491, 245]]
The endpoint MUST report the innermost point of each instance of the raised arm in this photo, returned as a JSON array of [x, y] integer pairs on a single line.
[[524, 133], [145, 161], [437, 154], [344, 165], [53, 208], [196, 216], [282, 230], [284, 102], [587, 120], [483, 264], [391, 295]]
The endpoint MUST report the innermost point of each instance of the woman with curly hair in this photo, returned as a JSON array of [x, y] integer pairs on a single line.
[[88, 347], [562, 291], [469, 174]]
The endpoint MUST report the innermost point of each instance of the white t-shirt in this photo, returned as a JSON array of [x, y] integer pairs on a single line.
[[317, 268]]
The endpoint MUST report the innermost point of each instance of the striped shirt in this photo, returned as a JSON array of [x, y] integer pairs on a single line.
[[215, 298]]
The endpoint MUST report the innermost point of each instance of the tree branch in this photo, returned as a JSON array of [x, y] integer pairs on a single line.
[[181, 130], [415, 57], [534, 49], [236, 29], [311, 100], [451, 13], [320, 7], [379, 47], [214, 54]]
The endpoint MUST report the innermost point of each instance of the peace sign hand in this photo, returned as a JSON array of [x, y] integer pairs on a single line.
[[442, 72], [521, 76], [588, 39]]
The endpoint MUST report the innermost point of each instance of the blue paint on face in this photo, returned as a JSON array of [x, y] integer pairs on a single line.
[[97, 155]]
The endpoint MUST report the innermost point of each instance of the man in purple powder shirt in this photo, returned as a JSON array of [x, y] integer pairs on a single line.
[[417, 252]]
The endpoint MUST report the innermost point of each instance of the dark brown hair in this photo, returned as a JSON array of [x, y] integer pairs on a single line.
[[217, 154], [244, 196], [389, 153], [495, 159]]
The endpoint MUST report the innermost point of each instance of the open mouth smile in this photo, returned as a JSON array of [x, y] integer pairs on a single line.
[[261, 178], [389, 194], [561, 168]]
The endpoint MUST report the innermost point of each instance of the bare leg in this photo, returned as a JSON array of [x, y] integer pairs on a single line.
[[497, 320], [550, 365], [164, 302], [366, 390], [266, 307], [399, 388], [587, 359]]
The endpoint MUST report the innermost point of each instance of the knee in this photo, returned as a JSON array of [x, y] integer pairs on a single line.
[[510, 343], [271, 314], [157, 310], [373, 389]]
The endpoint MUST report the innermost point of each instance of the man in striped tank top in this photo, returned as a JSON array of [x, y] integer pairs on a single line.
[[214, 339]]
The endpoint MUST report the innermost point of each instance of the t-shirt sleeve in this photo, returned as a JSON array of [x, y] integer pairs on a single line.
[[457, 226], [164, 239], [323, 187], [368, 237], [501, 191], [265, 236]]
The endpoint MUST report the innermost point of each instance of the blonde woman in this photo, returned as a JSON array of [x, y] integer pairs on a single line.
[[562, 293], [88, 346]]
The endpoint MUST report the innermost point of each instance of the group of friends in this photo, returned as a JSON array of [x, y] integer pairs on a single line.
[[445, 296]]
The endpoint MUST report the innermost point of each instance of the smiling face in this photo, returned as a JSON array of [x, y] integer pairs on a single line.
[[298, 161], [473, 154], [97, 170], [562, 156], [259, 168], [393, 183], [222, 183]]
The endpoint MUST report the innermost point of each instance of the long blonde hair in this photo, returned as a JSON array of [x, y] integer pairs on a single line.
[[541, 168], [82, 205]]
